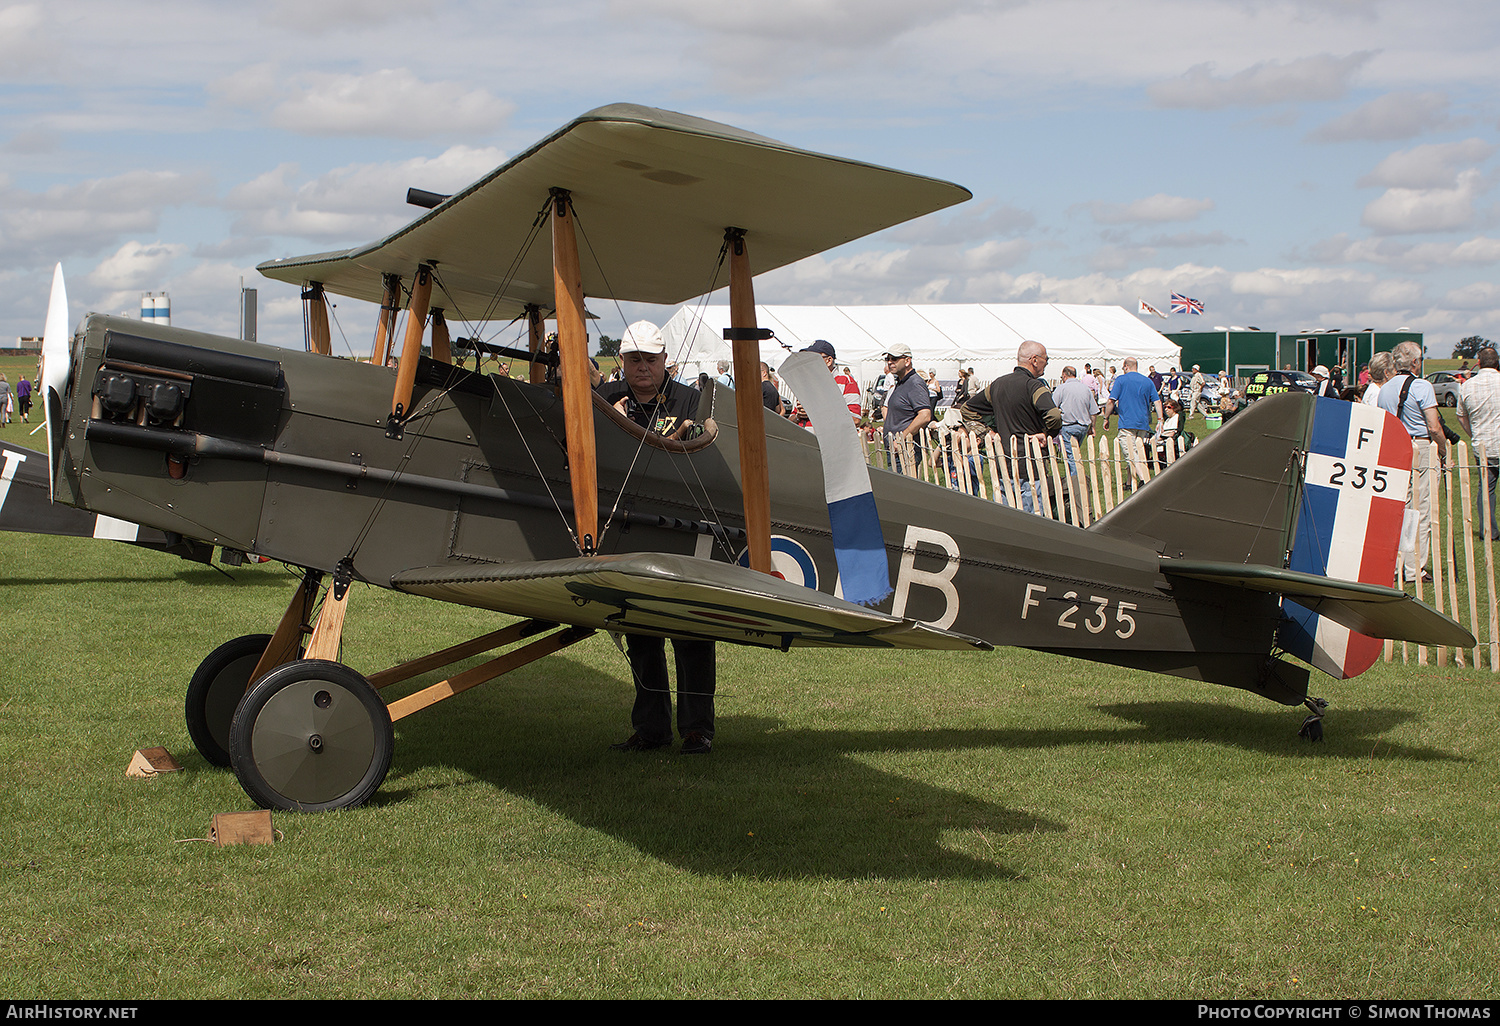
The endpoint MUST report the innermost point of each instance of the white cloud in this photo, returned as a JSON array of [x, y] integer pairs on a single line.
[[1392, 116], [973, 221], [1409, 258], [391, 103], [22, 42], [1432, 166], [322, 16], [1152, 209], [84, 217], [837, 23], [1479, 295], [355, 203], [135, 265], [1401, 211], [1323, 77]]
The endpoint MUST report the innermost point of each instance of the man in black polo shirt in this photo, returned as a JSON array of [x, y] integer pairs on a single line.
[[666, 407], [1024, 408], [908, 407]]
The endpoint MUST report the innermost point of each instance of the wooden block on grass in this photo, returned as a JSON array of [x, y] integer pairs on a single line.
[[242, 828], [148, 762]]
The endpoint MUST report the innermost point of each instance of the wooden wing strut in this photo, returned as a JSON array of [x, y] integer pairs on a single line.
[[573, 364], [755, 475]]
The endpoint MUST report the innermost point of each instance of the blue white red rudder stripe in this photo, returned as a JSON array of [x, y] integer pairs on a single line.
[[1348, 526]]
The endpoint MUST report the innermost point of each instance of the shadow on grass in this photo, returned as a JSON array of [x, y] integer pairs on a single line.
[[191, 573], [768, 803], [777, 803], [1347, 733]]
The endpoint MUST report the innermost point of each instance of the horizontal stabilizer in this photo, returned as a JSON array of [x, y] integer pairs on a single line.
[[1371, 609], [675, 596]]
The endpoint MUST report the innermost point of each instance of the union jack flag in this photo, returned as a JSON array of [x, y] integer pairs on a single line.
[[1185, 304]]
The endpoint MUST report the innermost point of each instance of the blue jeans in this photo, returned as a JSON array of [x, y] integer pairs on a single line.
[[1492, 473], [1071, 432]]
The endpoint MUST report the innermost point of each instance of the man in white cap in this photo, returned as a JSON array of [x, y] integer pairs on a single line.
[[1325, 385], [1195, 391], [908, 408], [647, 395], [665, 407]]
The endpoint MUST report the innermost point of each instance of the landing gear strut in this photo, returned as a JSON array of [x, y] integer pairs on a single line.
[[311, 734]]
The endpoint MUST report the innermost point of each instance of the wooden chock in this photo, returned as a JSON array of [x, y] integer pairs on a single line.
[[148, 762], [242, 828]]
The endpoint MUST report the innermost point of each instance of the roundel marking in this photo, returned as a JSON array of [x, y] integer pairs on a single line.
[[789, 559]]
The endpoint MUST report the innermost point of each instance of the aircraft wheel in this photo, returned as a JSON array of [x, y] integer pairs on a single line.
[[311, 735], [213, 694]]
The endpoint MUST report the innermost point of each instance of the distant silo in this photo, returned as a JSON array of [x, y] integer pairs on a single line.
[[156, 308]]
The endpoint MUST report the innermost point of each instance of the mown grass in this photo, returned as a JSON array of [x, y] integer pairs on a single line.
[[869, 825]]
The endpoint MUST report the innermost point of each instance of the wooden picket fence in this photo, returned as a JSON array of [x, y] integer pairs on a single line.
[[1108, 469], [1459, 584], [1462, 567]]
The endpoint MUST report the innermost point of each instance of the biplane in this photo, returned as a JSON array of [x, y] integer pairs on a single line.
[[532, 497]]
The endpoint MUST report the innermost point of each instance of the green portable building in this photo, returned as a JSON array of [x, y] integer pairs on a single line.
[[1305, 350], [1241, 351]]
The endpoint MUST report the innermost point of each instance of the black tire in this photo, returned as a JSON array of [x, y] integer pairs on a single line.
[[213, 694], [310, 736], [1450, 400]]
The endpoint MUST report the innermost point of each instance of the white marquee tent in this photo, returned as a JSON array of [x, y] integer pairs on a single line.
[[984, 336]]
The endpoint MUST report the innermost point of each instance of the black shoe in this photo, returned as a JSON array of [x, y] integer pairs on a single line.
[[696, 744], [637, 743]]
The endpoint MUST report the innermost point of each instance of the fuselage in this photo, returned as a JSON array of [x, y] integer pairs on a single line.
[[297, 467]]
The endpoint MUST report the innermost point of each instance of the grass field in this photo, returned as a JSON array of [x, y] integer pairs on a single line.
[[869, 825]]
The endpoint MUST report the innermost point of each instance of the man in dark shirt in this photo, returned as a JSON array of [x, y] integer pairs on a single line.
[[646, 394], [908, 407], [666, 407], [769, 396], [1024, 408]]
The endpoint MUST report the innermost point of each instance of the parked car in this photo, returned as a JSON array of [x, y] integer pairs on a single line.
[[875, 397], [1271, 382], [1446, 385]]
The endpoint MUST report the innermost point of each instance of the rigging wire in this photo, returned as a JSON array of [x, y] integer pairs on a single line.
[[421, 417], [700, 497]]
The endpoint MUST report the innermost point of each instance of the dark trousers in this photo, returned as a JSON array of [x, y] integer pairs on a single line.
[[1492, 473], [697, 674]]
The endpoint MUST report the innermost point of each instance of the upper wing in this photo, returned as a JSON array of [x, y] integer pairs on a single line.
[[654, 191], [677, 596]]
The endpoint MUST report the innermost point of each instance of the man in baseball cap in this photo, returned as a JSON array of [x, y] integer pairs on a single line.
[[650, 398], [908, 407], [642, 337], [848, 385]]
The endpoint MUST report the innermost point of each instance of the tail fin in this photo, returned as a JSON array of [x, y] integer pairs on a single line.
[[1348, 526], [1231, 498], [1300, 497]]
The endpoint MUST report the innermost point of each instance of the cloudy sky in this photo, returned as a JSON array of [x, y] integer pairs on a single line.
[[1322, 163]]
